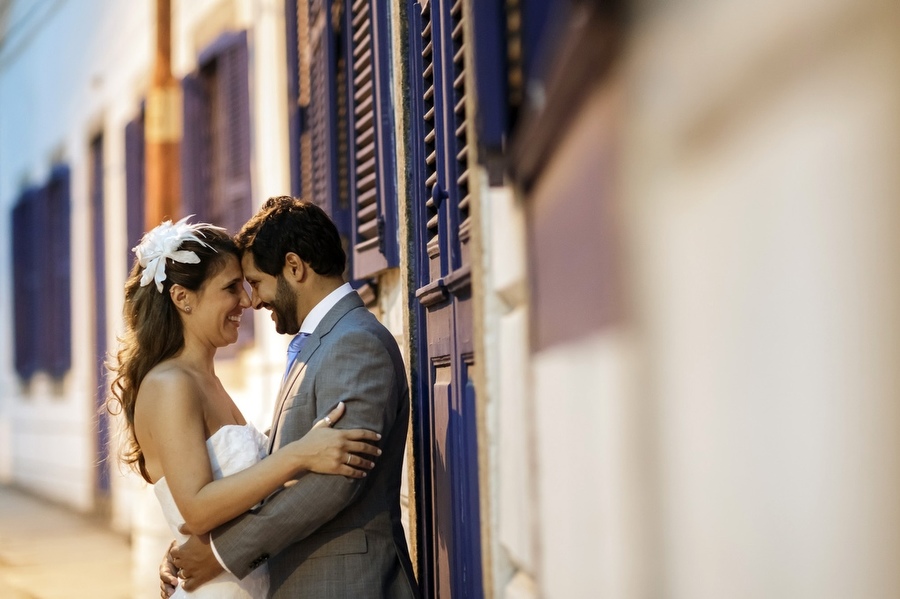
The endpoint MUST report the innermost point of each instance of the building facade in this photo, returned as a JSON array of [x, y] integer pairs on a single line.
[[640, 259]]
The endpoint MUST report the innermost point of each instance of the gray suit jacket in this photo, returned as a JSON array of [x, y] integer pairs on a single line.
[[331, 537]]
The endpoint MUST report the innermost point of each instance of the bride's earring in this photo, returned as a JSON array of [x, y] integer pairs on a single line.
[[187, 309]]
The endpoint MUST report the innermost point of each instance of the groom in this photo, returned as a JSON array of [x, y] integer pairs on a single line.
[[325, 536]]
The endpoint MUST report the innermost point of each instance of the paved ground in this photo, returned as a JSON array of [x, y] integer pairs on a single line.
[[48, 552]]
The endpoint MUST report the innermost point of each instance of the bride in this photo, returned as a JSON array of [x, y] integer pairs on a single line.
[[185, 436]]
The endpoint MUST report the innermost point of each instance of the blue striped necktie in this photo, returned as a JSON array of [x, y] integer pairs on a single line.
[[294, 349]]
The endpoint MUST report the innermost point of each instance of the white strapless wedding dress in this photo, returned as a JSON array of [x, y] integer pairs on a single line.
[[231, 449]]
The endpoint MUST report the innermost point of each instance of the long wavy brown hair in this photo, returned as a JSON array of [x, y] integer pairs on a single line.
[[153, 329]]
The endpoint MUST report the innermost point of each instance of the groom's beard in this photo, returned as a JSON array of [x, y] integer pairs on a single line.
[[284, 306]]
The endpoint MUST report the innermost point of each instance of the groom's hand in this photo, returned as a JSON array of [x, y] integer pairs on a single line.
[[167, 579], [196, 562]]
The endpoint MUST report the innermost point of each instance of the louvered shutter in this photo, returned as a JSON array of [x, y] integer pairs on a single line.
[[320, 118], [434, 192], [293, 91], [24, 237], [371, 149], [496, 60], [43, 247], [324, 111], [233, 204], [458, 143], [134, 185], [196, 153], [59, 314]]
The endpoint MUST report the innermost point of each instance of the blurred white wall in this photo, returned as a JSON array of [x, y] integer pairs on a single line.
[[59, 87], [762, 192], [734, 435]]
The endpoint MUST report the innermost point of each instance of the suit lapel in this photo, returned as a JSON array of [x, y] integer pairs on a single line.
[[345, 305]]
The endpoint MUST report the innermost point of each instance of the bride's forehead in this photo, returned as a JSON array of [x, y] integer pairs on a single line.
[[230, 269]]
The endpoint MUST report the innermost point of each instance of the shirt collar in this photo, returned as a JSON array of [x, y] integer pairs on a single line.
[[319, 311]]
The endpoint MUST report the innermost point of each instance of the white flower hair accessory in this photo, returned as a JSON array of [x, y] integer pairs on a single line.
[[163, 242]]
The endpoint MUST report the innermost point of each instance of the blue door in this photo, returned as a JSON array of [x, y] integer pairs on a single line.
[[446, 431]]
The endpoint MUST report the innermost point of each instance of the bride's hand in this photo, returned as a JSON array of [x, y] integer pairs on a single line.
[[336, 451]]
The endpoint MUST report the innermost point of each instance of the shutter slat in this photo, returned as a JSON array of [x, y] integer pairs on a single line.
[[460, 80], [431, 159], [361, 11], [364, 93], [432, 179], [369, 212], [367, 198], [366, 183], [460, 105], [368, 230], [365, 152], [362, 64], [366, 167], [366, 121], [361, 39], [457, 32]]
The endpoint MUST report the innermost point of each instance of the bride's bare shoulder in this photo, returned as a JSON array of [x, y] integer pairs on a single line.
[[172, 386]]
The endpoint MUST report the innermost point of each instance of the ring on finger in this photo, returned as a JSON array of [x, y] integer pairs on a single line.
[[349, 455], [181, 574], [328, 421]]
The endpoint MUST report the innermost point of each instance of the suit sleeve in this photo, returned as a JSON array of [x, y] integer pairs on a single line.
[[358, 370]]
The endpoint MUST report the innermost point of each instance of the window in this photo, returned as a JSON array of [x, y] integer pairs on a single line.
[[41, 278], [215, 152], [342, 128]]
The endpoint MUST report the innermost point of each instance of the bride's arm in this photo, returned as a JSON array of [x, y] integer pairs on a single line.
[[177, 430]]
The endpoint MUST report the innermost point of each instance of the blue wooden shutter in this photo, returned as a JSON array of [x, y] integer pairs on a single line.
[[59, 267], [233, 205], [23, 236], [43, 280], [41, 277], [458, 143], [371, 131], [196, 178], [293, 89], [434, 194], [216, 144], [134, 185], [320, 116]]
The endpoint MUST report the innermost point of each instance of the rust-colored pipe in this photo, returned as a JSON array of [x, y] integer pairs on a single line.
[[163, 128]]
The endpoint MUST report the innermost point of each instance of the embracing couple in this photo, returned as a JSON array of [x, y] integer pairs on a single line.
[[314, 509]]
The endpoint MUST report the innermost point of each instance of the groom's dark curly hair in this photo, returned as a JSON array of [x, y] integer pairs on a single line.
[[285, 224]]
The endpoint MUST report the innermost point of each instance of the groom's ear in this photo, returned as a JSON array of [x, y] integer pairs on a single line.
[[295, 269]]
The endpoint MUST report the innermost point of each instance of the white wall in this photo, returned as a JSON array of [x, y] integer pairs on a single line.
[[766, 228], [58, 88]]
